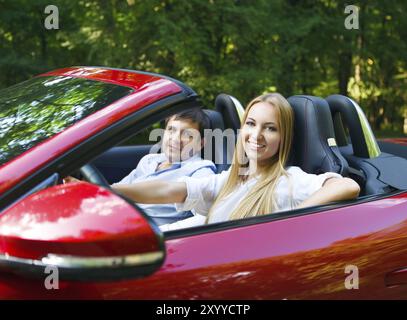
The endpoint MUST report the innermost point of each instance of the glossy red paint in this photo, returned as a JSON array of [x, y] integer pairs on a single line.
[[76, 219], [148, 89], [295, 258], [119, 77], [398, 277]]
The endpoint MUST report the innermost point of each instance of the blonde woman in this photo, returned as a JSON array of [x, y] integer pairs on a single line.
[[258, 181]]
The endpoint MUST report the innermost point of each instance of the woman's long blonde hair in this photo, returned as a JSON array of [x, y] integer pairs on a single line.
[[260, 200]]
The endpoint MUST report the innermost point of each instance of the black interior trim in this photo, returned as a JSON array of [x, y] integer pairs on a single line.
[[110, 163], [344, 106], [393, 148], [340, 133], [52, 180]]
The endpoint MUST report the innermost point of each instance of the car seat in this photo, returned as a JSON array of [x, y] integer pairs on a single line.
[[314, 146]]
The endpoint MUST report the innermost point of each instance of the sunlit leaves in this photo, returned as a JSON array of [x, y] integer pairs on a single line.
[[37, 109], [241, 47]]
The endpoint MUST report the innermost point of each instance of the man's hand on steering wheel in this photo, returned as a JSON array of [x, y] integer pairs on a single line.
[[90, 174], [70, 179]]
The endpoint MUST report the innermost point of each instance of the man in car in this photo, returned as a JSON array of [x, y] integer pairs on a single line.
[[182, 142], [180, 156]]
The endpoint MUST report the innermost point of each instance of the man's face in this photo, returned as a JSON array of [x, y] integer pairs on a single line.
[[181, 139]]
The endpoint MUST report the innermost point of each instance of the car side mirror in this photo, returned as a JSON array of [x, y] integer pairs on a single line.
[[85, 231]]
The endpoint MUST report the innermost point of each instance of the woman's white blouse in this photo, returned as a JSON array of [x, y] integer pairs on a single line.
[[201, 193]]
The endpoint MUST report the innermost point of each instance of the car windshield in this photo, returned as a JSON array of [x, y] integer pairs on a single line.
[[37, 109]]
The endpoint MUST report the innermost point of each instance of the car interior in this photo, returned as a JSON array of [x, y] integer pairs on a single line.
[[376, 171], [119, 161], [330, 134]]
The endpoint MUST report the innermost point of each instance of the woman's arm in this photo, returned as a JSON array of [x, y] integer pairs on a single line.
[[194, 221], [154, 191], [333, 189]]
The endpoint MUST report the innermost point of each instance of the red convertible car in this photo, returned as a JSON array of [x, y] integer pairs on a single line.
[[96, 244]]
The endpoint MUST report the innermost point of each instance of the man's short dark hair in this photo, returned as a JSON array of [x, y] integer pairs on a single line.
[[196, 115]]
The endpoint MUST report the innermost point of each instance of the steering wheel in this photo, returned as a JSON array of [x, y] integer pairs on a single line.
[[91, 174]]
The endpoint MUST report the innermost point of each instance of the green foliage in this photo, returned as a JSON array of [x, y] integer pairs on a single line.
[[239, 47]]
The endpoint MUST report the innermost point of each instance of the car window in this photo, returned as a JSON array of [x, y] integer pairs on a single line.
[[37, 109]]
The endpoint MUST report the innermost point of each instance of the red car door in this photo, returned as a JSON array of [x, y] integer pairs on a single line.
[[300, 257], [304, 257], [311, 256]]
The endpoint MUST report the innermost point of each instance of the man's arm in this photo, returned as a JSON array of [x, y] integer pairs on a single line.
[[155, 191]]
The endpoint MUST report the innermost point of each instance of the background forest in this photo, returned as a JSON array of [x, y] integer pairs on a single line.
[[239, 47]]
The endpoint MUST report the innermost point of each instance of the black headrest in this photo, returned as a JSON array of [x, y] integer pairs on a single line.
[[227, 106], [231, 110], [215, 119], [314, 148], [351, 115], [215, 150]]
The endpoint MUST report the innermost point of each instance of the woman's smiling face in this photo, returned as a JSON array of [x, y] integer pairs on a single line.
[[260, 133]]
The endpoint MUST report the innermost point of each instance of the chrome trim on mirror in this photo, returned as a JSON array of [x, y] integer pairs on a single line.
[[370, 140], [66, 261], [5, 258]]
